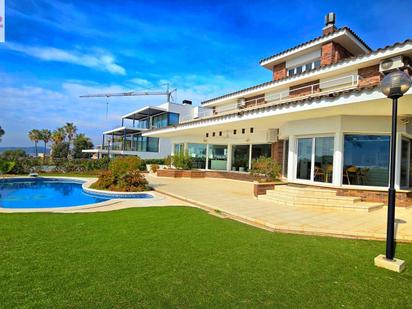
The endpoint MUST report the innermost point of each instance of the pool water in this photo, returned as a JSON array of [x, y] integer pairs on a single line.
[[44, 193]]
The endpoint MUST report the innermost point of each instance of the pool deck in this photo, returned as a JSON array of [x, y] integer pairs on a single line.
[[235, 199]]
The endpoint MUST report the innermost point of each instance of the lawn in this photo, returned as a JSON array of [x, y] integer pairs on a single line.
[[183, 257]]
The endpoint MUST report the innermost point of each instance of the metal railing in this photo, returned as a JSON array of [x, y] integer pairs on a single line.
[[320, 88]]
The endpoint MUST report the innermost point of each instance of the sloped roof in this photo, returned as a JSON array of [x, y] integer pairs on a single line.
[[317, 39], [345, 60]]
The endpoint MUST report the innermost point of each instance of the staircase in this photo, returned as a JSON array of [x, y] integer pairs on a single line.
[[293, 195]]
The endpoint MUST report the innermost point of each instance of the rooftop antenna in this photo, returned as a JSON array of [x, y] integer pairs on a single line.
[[168, 93]]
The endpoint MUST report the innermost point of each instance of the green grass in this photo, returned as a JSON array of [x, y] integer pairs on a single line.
[[183, 257]]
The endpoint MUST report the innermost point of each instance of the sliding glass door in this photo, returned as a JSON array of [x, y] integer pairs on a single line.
[[315, 159], [304, 162]]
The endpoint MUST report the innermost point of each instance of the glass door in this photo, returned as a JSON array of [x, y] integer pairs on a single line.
[[315, 159], [405, 162], [304, 159]]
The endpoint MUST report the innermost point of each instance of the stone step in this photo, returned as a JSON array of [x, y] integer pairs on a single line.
[[358, 206], [314, 199], [305, 190]]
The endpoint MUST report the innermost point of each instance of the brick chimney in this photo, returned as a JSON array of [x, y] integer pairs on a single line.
[[330, 19]]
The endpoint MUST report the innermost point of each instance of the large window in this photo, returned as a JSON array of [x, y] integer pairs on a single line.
[[261, 150], [147, 144], [240, 158], [217, 157], [173, 119], [405, 162], [178, 148], [304, 168], [315, 159], [366, 160], [198, 154], [165, 119], [304, 67], [160, 121]]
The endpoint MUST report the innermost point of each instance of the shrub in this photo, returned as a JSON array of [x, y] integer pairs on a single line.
[[154, 168], [25, 165], [80, 165], [132, 181], [265, 168], [182, 161], [121, 165], [6, 166], [105, 181]]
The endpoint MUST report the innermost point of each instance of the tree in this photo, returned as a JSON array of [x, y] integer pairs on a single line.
[[13, 154], [70, 130], [2, 132], [60, 150], [45, 137], [58, 136], [35, 136], [81, 142]]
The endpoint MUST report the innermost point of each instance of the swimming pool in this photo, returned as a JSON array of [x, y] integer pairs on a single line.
[[50, 193]]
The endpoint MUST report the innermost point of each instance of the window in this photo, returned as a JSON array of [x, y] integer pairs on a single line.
[[198, 154], [315, 159], [160, 121], [234, 132], [304, 67], [240, 158], [147, 144], [178, 148], [152, 144], [243, 131], [261, 150], [405, 162], [207, 134], [173, 119], [251, 130], [366, 160], [213, 134], [220, 133], [217, 157]]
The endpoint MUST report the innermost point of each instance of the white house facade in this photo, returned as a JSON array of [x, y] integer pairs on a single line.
[[322, 117]]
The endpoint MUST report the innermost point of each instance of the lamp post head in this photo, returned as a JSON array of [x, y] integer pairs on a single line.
[[395, 84]]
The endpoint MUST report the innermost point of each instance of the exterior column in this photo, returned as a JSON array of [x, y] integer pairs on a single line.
[[207, 156], [338, 159], [124, 140], [250, 156], [291, 158], [229, 157]]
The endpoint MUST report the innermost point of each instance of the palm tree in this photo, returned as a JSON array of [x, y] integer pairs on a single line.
[[45, 137], [35, 136], [58, 136], [1, 132], [70, 130]]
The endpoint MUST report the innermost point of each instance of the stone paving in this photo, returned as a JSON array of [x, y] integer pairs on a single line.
[[235, 199]]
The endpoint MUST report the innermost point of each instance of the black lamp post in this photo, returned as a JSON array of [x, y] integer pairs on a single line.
[[394, 85]]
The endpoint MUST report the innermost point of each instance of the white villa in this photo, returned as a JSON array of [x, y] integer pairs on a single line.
[[127, 140], [322, 116]]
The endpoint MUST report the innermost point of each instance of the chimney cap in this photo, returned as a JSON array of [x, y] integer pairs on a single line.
[[330, 19]]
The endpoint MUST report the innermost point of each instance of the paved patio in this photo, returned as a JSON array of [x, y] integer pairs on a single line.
[[235, 199]]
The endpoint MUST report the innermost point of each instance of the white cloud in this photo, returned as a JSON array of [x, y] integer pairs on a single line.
[[101, 61]]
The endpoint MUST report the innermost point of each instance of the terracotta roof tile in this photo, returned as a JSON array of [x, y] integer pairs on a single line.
[[272, 82]]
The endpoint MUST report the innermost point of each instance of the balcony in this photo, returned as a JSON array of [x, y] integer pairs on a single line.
[[310, 90]]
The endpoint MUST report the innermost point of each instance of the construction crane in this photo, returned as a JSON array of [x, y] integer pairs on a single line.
[[168, 93]]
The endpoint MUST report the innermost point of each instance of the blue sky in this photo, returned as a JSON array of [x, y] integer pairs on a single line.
[[58, 50]]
